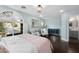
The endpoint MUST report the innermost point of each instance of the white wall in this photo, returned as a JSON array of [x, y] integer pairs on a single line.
[[27, 22], [53, 23], [25, 17], [64, 27], [65, 24]]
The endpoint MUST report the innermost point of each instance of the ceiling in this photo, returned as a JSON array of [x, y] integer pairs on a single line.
[[50, 11]]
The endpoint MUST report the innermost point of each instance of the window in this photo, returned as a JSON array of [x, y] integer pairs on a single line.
[[11, 28]]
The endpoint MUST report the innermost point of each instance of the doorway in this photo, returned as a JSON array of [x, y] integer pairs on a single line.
[[73, 28]]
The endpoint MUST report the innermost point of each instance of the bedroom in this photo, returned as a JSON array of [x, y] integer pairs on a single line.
[[38, 28]]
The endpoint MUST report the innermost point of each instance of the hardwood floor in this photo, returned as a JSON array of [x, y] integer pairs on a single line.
[[65, 47], [74, 45]]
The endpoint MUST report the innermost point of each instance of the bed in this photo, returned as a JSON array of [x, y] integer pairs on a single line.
[[25, 43]]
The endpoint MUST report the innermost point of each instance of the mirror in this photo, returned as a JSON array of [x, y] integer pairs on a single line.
[[39, 26], [38, 23]]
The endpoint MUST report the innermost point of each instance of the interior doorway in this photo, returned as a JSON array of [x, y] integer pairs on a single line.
[[73, 28]]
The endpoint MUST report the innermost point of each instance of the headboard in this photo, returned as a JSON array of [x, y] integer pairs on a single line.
[[53, 31]]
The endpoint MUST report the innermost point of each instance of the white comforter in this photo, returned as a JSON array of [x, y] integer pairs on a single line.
[[17, 45]]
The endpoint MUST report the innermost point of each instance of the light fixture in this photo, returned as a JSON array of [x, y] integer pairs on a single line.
[[61, 11], [71, 19], [41, 15], [39, 8], [23, 7], [7, 13]]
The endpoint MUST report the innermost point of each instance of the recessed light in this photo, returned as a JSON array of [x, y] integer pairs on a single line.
[[61, 10], [23, 7], [71, 19], [41, 15]]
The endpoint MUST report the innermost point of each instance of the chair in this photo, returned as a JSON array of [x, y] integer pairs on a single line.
[[44, 31]]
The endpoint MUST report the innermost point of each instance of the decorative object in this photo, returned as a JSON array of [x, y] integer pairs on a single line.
[[44, 31]]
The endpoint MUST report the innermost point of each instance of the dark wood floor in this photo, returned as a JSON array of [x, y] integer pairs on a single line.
[[65, 47]]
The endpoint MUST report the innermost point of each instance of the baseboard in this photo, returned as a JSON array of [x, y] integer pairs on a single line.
[[64, 39]]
